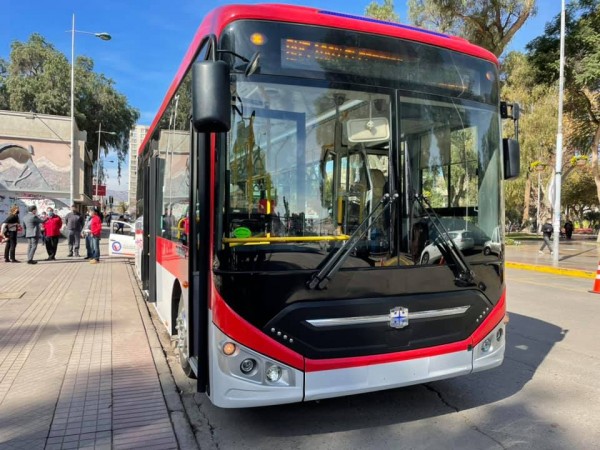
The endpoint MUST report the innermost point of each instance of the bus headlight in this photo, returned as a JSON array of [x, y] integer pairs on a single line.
[[486, 345], [235, 360], [273, 373]]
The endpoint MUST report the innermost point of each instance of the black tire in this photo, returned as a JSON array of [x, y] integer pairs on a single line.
[[425, 258], [182, 344], [487, 251]]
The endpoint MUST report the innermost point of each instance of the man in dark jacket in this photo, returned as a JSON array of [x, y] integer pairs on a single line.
[[547, 230], [74, 224], [31, 224], [568, 229], [11, 227]]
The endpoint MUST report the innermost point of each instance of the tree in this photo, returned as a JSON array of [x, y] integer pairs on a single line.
[[38, 80], [579, 194], [537, 136], [4, 103], [122, 207], [382, 12], [488, 23], [582, 76]]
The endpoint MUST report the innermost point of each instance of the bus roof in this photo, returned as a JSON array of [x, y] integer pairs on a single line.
[[216, 21]]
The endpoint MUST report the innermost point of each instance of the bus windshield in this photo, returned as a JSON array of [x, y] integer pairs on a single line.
[[307, 160]]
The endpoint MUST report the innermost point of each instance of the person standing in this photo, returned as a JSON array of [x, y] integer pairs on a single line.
[[52, 225], [568, 229], [31, 224], [74, 224], [547, 230], [11, 226], [87, 235], [96, 232]]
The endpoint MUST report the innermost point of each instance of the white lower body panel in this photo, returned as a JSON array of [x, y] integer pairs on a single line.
[[358, 380]]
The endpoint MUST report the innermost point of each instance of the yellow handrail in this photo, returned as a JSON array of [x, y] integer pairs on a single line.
[[271, 239]]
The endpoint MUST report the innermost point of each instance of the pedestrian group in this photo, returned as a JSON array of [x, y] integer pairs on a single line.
[[47, 228]]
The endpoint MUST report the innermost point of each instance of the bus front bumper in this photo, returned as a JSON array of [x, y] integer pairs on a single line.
[[236, 382]]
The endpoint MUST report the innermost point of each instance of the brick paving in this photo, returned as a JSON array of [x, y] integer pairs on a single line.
[[76, 367]]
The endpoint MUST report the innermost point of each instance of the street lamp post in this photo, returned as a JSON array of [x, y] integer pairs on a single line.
[[559, 139], [98, 159], [104, 37]]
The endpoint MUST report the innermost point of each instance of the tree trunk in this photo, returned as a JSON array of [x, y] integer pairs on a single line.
[[527, 199]]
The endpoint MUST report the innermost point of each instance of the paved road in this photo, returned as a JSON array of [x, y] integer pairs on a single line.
[[545, 395]]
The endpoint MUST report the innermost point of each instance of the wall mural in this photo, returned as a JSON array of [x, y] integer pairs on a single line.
[[34, 173]]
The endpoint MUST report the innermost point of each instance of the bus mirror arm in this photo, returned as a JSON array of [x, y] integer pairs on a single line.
[[252, 64], [463, 274], [321, 279]]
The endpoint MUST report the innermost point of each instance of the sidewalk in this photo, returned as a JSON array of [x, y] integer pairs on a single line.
[[576, 257], [76, 366]]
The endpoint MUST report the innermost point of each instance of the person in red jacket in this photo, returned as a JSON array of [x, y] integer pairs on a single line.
[[52, 226], [96, 232]]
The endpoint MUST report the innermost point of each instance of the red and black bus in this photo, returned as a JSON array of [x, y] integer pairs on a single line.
[[322, 206]]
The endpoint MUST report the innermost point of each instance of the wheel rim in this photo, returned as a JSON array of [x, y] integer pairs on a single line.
[[181, 335]]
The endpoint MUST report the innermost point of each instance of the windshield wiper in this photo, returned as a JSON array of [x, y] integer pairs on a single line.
[[463, 274], [321, 279]]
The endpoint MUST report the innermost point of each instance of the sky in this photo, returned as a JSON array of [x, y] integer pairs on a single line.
[[149, 39]]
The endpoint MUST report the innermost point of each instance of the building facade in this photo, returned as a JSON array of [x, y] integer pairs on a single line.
[[136, 137], [36, 163]]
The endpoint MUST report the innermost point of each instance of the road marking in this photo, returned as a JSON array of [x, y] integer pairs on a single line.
[[537, 283], [552, 270]]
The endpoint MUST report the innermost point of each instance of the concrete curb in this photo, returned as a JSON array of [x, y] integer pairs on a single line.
[[179, 419], [553, 270]]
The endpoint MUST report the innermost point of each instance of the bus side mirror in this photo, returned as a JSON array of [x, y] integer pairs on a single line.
[[211, 97], [511, 157]]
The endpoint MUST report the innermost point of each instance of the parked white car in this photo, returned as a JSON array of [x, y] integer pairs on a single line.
[[493, 245], [462, 238], [121, 241]]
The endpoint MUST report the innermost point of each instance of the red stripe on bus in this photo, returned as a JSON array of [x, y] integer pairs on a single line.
[[491, 321], [238, 329], [170, 259], [316, 365]]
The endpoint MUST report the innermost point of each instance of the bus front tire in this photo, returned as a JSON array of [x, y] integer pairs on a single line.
[[182, 341]]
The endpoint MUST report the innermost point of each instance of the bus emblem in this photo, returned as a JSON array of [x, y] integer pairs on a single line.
[[399, 317]]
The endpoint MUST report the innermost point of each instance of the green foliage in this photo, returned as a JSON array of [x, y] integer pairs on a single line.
[[537, 132], [4, 103], [579, 192], [488, 23], [382, 12], [122, 207], [38, 79], [582, 66], [582, 82]]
